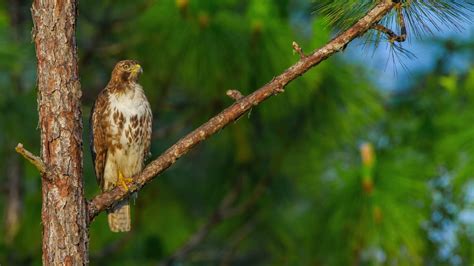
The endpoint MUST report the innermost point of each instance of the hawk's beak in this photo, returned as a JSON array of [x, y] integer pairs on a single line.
[[137, 69]]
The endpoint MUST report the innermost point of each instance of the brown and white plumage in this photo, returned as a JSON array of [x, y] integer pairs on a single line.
[[121, 124]]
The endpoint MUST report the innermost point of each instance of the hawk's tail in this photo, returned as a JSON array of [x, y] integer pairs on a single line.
[[119, 217]]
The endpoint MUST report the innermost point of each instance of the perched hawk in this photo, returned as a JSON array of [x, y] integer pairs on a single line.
[[120, 135]]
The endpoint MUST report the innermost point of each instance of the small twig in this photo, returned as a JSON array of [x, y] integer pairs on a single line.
[[401, 21], [35, 160], [298, 50], [235, 94], [392, 36]]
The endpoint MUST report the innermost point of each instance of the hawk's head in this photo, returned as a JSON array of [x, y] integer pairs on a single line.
[[127, 71]]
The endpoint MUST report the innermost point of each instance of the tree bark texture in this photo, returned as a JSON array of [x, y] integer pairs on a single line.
[[65, 234]]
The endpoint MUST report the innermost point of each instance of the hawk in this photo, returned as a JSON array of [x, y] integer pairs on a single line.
[[121, 127]]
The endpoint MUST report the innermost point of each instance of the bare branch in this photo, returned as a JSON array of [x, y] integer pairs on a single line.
[[235, 94], [33, 159], [392, 36], [298, 49], [230, 114]]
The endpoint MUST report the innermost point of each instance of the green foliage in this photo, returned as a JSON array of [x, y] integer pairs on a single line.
[[319, 204], [420, 16]]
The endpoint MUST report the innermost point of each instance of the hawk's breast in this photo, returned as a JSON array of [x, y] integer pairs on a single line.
[[129, 117]]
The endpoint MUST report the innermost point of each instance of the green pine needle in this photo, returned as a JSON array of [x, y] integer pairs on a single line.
[[421, 16]]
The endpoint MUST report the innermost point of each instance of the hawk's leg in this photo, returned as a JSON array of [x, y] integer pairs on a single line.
[[123, 180]]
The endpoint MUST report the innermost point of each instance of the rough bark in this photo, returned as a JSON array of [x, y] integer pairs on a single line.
[[215, 124], [65, 234]]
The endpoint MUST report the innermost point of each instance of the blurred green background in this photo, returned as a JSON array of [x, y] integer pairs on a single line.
[[338, 170]]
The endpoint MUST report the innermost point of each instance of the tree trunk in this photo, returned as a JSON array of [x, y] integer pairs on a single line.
[[65, 235]]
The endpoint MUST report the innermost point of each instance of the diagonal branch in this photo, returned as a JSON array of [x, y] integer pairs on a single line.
[[105, 200]]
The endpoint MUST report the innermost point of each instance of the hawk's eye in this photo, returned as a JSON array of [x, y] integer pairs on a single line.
[[126, 67]]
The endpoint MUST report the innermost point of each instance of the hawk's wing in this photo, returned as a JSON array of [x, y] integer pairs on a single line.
[[148, 132], [98, 143]]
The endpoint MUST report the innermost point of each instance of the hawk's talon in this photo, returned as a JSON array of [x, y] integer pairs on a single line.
[[123, 181]]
